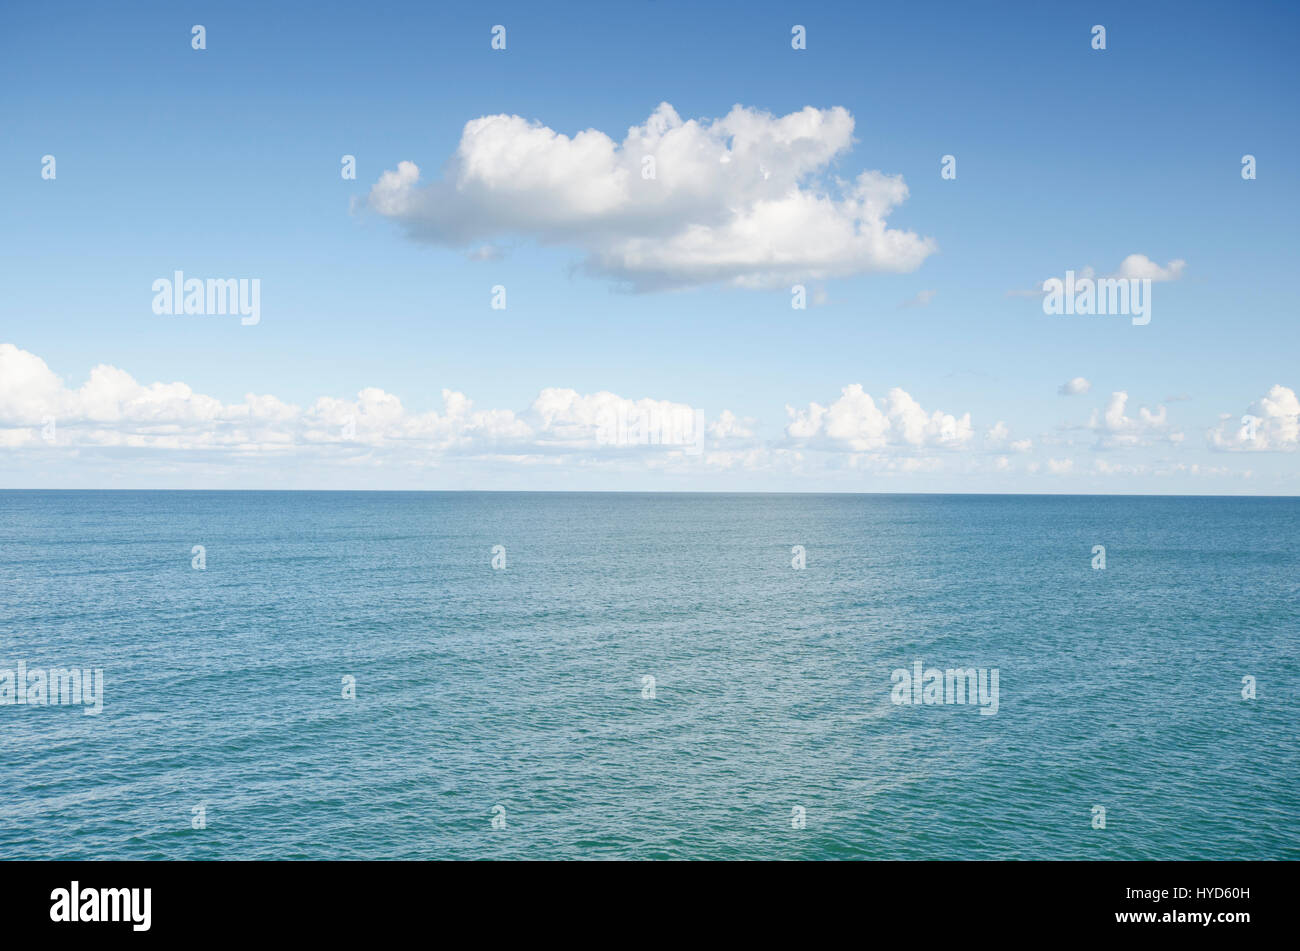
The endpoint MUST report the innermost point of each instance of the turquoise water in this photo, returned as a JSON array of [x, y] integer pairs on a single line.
[[523, 687]]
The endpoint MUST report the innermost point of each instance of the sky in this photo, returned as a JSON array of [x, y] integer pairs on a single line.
[[576, 262]]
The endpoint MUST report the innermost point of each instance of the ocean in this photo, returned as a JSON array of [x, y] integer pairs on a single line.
[[345, 675]]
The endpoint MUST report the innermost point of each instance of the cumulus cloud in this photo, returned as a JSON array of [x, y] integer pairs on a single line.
[[730, 426], [1076, 387], [1134, 267], [112, 409], [746, 199], [998, 438], [856, 422], [1140, 267], [112, 416], [1271, 423], [1116, 429]]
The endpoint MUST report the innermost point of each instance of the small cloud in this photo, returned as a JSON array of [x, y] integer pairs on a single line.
[[1115, 429], [1135, 267], [1076, 387], [485, 252], [730, 426], [920, 300], [1140, 267], [1107, 468]]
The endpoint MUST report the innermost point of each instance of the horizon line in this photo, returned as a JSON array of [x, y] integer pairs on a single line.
[[1089, 495]]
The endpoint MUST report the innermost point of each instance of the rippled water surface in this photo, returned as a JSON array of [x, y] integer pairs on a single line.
[[523, 687]]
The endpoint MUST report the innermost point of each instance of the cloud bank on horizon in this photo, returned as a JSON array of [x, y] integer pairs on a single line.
[[111, 411]]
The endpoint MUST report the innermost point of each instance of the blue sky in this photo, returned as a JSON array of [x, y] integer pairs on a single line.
[[225, 163]]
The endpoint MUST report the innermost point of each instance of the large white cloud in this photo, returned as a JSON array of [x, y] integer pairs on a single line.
[[745, 199]]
